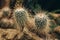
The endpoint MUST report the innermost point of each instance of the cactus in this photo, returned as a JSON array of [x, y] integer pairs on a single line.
[[42, 24], [6, 12], [21, 17], [40, 21]]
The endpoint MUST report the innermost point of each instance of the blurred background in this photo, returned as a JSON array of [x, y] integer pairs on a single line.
[[49, 5]]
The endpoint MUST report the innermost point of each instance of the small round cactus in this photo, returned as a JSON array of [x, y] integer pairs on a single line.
[[42, 24], [41, 20], [21, 17]]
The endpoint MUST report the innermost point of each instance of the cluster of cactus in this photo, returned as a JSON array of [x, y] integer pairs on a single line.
[[40, 20]]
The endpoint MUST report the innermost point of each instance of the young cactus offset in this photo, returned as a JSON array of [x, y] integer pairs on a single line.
[[20, 17]]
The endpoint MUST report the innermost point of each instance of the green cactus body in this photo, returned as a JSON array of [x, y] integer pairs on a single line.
[[21, 17]]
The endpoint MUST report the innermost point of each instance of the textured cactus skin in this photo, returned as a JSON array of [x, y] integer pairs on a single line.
[[21, 18]]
